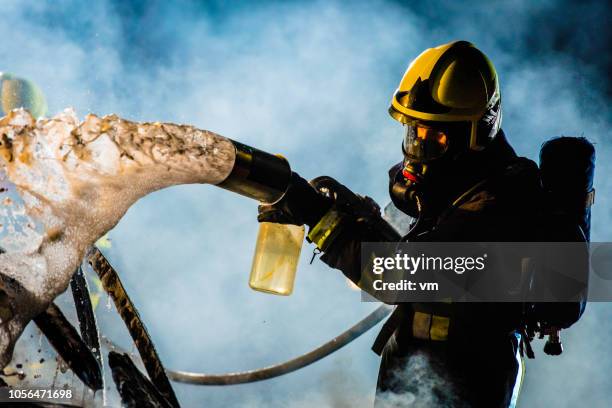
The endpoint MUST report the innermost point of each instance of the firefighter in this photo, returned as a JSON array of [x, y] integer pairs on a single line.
[[462, 181]]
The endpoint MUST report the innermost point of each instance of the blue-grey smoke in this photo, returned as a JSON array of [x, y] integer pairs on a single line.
[[310, 80]]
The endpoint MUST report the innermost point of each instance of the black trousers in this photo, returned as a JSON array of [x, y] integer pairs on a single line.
[[416, 373]]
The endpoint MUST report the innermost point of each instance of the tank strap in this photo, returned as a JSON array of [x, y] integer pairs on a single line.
[[388, 328]]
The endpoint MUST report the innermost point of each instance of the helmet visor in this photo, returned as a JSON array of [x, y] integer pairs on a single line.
[[423, 143]]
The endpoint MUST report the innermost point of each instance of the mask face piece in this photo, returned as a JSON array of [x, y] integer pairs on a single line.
[[423, 143], [431, 151]]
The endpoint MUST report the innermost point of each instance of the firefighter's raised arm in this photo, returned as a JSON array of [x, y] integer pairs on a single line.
[[338, 220]]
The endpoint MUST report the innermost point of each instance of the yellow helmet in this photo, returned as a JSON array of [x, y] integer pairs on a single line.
[[454, 82], [20, 93]]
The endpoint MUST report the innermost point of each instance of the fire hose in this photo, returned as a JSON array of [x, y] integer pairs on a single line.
[[277, 370], [288, 366]]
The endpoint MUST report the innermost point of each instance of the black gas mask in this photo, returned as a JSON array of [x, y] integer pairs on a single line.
[[431, 169]]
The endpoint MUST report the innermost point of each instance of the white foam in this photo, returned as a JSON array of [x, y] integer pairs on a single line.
[[64, 183]]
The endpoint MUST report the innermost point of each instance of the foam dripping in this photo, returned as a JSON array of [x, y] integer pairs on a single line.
[[65, 183]]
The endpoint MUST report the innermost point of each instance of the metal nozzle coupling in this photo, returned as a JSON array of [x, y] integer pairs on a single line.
[[258, 175]]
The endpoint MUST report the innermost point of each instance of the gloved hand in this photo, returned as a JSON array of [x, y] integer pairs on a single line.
[[363, 210], [306, 203], [346, 202], [301, 204]]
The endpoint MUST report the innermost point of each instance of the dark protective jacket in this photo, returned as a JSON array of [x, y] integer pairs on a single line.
[[478, 359]]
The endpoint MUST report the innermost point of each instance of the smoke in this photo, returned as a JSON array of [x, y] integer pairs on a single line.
[[310, 80], [423, 386]]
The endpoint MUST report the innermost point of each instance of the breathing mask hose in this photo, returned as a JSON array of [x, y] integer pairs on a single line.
[[403, 197]]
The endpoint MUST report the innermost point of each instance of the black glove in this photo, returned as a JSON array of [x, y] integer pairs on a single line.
[[362, 210], [346, 202], [301, 204], [306, 203]]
